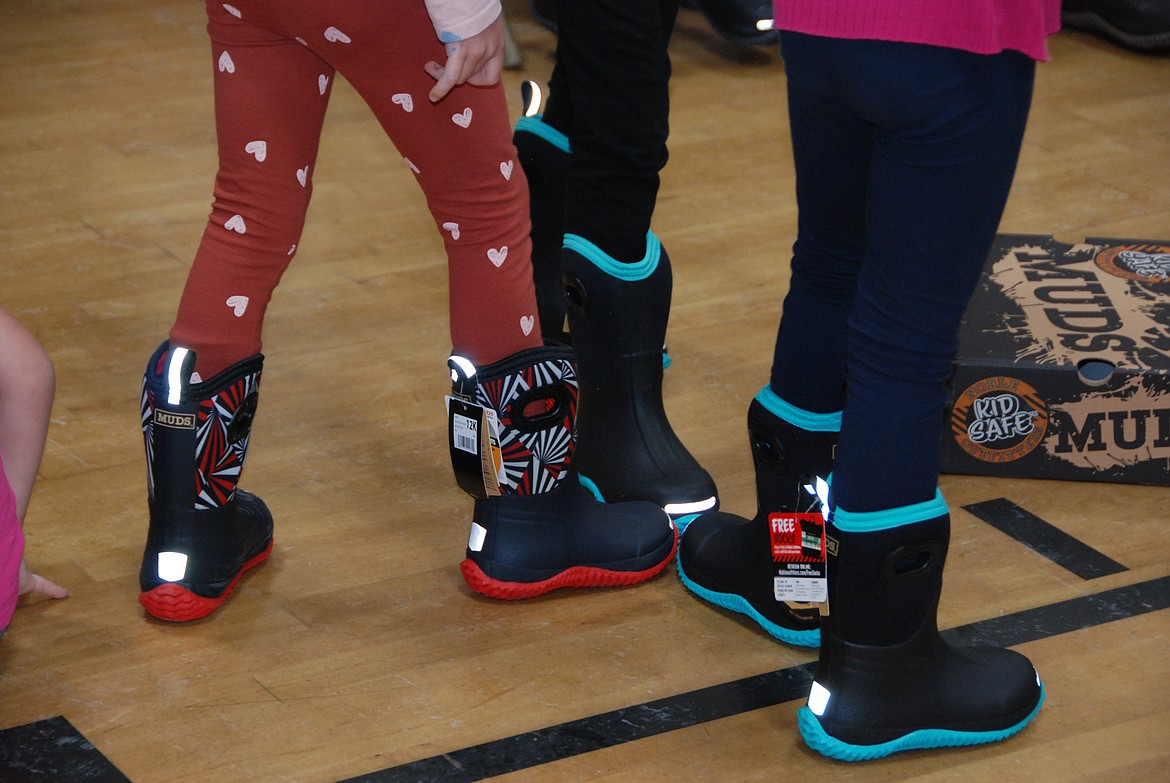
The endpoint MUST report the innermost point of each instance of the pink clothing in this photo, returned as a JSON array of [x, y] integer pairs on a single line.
[[11, 550], [980, 26], [455, 20]]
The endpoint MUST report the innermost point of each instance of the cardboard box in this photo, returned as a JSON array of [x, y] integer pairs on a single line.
[[1063, 369]]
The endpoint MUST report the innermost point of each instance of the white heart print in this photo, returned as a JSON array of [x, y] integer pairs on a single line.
[[303, 176], [333, 35], [236, 223], [463, 119], [226, 65], [238, 304], [526, 324], [453, 228], [404, 100], [497, 256], [258, 149], [506, 169], [231, 9], [322, 83]]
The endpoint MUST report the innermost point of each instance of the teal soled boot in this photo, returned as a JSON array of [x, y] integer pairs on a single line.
[[886, 681], [740, 564]]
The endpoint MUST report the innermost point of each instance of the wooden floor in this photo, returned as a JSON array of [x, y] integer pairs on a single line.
[[357, 651]]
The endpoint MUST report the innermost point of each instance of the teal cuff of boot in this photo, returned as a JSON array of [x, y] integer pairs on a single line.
[[798, 417], [537, 127], [640, 270], [874, 521]]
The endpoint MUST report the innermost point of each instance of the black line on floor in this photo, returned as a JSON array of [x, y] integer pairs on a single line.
[[554, 743], [1045, 538], [53, 751]]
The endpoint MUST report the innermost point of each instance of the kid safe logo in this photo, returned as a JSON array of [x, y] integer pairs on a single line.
[[999, 419]]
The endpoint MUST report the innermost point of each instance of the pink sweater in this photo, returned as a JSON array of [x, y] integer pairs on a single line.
[[980, 26], [11, 550]]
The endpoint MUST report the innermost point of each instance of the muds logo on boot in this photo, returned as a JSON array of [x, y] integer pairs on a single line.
[[178, 421]]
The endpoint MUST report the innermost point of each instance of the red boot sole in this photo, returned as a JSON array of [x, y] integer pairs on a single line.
[[578, 576], [177, 604]]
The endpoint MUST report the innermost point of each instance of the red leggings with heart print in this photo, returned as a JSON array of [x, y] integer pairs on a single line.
[[275, 62]]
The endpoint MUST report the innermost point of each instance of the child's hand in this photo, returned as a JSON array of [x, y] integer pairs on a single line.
[[476, 60], [35, 583]]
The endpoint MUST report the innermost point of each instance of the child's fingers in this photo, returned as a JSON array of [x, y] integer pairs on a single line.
[[35, 583], [447, 75], [442, 81], [43, 586]]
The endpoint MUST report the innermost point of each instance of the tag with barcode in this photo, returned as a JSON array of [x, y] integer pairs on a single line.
[[474, 439]]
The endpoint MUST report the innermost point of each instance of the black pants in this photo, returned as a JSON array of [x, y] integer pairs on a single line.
[[609, 96]]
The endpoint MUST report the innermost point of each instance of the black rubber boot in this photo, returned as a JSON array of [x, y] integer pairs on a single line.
[[543, 530], [886, 681], [617, 316], [544, 12], [739, 20], [544, 154], [1140, 25], [204, 532], [728, 560]]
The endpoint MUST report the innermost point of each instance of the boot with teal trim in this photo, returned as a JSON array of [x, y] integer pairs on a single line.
[[886, 681], [617, 315], [729, 560]]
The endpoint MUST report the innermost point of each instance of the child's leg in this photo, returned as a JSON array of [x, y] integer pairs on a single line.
[[543, 530], [27, 386], [270, 98], [610, 96], [271, 93], [610, 100], [461, 153]]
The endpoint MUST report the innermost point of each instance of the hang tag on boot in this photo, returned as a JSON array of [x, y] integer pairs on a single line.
[[476, 455], [798, 553]]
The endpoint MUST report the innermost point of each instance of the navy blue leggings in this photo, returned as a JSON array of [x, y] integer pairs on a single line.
[[904, 158]]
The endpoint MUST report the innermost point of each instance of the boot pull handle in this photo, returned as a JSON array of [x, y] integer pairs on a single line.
[[913, 562], [541, 408]]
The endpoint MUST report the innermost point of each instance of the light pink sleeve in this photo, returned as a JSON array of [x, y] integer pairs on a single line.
[[455, 20], [11, 550]]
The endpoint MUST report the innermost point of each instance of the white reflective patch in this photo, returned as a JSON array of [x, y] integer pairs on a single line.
[[174, 378], [763, 25], [172, 566], [678, 509], [818, 699], [465, 366], [475, 540], [534, 104], [821, 490]]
